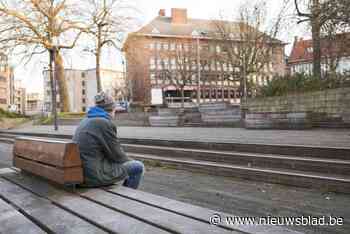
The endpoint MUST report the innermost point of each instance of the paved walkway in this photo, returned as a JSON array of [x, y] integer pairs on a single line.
[[316, 137]]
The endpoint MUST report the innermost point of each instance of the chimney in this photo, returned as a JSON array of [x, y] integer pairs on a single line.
[[178, 15], [161, 12]]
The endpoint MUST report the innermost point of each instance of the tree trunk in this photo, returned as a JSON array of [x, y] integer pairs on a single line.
[[98, 58], [316, 38], [182, 97], [98, 72], [60, 79]]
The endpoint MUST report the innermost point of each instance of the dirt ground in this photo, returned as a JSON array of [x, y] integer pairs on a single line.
[[248, 198]]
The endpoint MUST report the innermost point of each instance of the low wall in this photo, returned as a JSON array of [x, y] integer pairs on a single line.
[[328, 108]]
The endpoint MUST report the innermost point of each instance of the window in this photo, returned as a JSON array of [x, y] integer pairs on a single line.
[[218, 66], [172, 46], [173, 63], [83, 100], [212, 66], [152, 63], [152, 46], [83, 109], [218, 49], [225, 66], [159, 46], [83, 74], [166, 46], [159, 64], [179, 46], [83, 91], [83, 83], [186, 47]]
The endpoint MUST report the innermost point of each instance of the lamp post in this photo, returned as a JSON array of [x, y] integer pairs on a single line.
[[53, 81], [199, 68]]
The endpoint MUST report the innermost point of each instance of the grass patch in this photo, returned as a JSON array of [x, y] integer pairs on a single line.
[[70, 115], [10, 115]]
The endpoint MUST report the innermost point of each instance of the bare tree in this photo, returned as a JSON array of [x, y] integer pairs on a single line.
[[179, 69], [35, 27], [335, 46], [317, 14], [337, 11], [249, 49], [108, 22], [327, 18]]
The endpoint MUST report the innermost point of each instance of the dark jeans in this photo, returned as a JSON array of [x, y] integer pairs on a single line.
[[135, 170]]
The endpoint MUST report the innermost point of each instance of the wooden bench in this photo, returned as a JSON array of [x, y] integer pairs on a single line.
[[55, 160], [28, 204]]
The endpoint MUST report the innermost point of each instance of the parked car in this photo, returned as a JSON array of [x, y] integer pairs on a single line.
[[121, 107]]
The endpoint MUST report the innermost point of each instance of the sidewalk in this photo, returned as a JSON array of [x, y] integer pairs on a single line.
[[316, 137]]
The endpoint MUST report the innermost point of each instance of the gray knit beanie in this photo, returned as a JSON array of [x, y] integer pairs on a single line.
[[104, 101]]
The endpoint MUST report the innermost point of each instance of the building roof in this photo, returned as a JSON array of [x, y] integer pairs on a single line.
[[163, 26], [302, 50]]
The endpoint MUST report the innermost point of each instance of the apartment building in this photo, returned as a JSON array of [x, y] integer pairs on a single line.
[[34, 104], [19, 97], [82, 87], [155, 48], [7, 91], [335, 52]]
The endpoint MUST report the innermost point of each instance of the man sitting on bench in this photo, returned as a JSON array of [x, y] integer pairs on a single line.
[[104, 161]]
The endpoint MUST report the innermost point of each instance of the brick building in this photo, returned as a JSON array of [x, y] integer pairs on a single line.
[[155, 45], [335, 52]]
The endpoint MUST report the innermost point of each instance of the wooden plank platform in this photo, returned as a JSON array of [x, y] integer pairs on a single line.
[[12, 221], [41, 207]]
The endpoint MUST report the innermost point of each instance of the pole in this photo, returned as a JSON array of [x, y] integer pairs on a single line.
[[53, 87], [198, 74]]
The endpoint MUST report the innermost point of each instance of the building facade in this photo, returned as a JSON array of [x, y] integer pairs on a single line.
[[34, 105], [7, 91], [335, 54], [82, 87], [20, 101], [154, 50]]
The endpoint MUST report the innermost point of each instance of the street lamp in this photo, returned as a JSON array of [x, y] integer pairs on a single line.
[[53, 80], [199, 69]]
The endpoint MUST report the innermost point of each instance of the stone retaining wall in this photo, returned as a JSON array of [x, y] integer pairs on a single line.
[[328, 108]]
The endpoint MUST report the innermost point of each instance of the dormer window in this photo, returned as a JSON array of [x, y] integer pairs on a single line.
[[310, 50], [195, 33], [155, 31]]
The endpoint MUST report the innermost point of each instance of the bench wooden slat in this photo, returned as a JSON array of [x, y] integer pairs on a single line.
[[196, 212], [11, 221], [166, 219], [51, 152], [101, 216], [74, 174], [52, 217]]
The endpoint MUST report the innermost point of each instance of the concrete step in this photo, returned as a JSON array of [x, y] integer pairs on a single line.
[[308, 164], [292, 150], [342, 153], [334, 183]]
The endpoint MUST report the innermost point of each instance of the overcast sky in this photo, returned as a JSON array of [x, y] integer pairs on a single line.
[[31, 75]]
